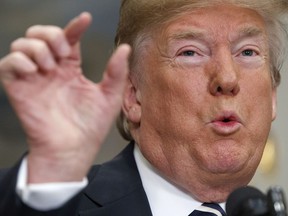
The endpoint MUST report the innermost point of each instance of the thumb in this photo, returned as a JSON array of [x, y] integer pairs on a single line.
[[116, 72]]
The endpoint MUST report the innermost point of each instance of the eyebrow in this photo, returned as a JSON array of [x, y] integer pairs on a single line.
[[188, 34], [249, 31], [197, 34]]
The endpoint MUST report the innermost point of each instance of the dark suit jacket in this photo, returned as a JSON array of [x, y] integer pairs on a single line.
[[115, 188]]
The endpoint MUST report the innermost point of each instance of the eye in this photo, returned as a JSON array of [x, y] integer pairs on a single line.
[[248, 52], [188, 53]]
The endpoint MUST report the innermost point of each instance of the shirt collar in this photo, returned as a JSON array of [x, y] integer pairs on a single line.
[[164, 197]]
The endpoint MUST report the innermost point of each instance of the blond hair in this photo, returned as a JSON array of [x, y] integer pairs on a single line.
[[140, 17]]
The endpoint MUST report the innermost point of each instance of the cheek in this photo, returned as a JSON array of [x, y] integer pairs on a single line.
[[173, 100], [260, 117], [257, 108], [259, 97]]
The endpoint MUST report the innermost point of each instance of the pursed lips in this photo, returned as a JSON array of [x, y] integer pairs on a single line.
[[226, 123]]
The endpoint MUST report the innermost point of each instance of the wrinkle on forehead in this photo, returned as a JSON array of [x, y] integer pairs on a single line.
[[250, 24]]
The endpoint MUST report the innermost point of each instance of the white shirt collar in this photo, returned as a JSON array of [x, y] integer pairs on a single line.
[[164, 197]]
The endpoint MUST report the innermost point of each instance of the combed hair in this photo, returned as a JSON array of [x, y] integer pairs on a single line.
[[138, 18]]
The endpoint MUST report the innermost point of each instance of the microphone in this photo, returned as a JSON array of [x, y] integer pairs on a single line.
[[249, 201], [277, 202]]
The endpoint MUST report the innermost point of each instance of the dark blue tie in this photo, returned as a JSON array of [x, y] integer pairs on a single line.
[[208, 209]]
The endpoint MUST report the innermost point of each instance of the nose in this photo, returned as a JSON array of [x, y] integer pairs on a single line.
[[224, 77]]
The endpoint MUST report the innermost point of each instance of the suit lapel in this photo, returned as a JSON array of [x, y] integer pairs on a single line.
[[116, 189]]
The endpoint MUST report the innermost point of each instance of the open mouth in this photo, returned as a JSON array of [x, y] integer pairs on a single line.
[[226, 120]]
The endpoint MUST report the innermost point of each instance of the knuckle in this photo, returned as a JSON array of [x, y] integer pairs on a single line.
[[56, 30], [15, 44], [32, 29], [56, 34], [40, 45], [35, 29], [44, 30], [15, 56], [48, 33], [29, 46], [11, 59]]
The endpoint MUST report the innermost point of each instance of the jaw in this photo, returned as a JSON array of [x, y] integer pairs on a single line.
[[209, 181]]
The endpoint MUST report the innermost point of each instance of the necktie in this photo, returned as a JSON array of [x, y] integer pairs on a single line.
[[208, 209]]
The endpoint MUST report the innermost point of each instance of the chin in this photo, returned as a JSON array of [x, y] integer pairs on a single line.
[[229, 165], [230, 157]]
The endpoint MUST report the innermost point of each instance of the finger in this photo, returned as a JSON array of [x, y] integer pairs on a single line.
[[14, 65], [116, 72], [76, 27], [37, 50], [53, 36]]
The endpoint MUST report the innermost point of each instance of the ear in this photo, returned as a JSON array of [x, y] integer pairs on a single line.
[[132, 103], [274, 104]]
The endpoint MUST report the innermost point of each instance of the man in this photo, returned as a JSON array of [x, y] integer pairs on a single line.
[[197, 106]]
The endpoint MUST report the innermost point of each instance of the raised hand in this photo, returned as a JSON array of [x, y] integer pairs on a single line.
[[65, 116]]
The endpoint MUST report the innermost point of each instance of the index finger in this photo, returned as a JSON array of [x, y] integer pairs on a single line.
[[76, 27]]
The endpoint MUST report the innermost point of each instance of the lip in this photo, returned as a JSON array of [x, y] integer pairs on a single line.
[[226, 123]]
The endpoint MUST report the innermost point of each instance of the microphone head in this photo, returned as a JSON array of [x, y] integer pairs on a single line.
[[247, 201], [276, 201]]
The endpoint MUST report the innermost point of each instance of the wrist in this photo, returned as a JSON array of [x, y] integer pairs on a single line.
[[48, 170]]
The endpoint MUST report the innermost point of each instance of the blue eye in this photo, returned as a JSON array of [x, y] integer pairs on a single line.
[[248, 52], [188, 53]]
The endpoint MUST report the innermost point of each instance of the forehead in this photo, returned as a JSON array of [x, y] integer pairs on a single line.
[[215, 21]]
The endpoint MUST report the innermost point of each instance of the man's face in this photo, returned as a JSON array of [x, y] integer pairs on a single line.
[[206, 100]]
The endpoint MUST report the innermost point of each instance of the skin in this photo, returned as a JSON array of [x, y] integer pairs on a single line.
[[203, 110]]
